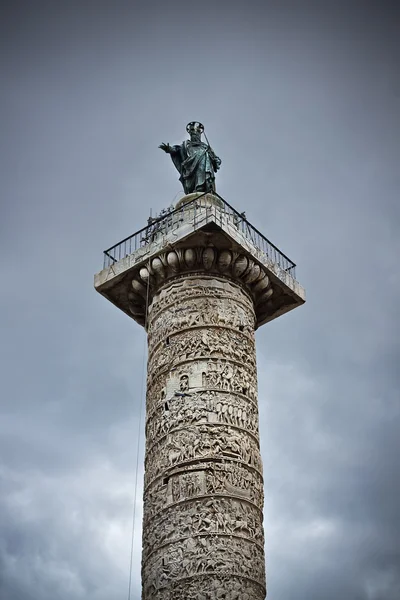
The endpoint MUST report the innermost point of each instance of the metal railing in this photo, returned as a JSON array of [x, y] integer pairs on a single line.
[[202, 212]]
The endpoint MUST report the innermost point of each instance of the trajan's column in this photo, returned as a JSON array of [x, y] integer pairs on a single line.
[[201, 280]]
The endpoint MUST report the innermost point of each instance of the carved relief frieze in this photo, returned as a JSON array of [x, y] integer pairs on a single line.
[[218, 515], [203, 488], [174, 294], [213, 374], [198, 408], [201, 555], [198, 443], [236, 480], [203, 342], [209, 586], [231, 378], [210, 479], [199, 311]]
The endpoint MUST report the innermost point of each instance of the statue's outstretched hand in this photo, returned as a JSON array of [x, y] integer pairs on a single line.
[[166, 147], [216, 162]]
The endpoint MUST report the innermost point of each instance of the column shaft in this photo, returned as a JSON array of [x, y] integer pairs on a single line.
[[203, 492]]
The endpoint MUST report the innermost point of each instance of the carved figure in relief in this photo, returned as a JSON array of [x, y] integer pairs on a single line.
[[189, 486], [173, 456], [184, 383], [203, 522], [176, 490]]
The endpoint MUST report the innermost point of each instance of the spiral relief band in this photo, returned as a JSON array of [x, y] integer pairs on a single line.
[[203, 492]]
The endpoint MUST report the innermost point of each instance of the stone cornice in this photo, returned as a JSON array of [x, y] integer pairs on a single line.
[[210, 261]]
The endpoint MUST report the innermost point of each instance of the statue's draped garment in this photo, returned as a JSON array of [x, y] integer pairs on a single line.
[[196, 165]]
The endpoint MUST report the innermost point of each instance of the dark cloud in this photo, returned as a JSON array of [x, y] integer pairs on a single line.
[[301, 102]]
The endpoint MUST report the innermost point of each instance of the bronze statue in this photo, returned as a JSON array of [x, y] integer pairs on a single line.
[[195, 161]]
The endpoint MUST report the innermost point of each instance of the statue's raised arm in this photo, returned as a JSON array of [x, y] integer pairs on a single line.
[[195, 161]]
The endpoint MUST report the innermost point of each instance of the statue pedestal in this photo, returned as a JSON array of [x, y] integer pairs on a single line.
[[206, 199]]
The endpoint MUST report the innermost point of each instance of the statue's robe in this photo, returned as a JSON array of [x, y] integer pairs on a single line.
[[196, 165]]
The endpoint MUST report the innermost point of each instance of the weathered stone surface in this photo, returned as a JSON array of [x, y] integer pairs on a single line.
[[203, 491]]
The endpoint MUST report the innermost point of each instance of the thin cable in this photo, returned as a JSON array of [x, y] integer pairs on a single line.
[[138, 443]]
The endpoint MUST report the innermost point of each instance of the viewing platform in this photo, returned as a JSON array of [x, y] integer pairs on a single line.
[[199, 222]]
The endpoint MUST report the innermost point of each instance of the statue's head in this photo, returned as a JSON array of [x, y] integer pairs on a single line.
[[195, 128]]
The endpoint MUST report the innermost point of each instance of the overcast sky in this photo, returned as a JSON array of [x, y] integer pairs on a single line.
[[301, 102]]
